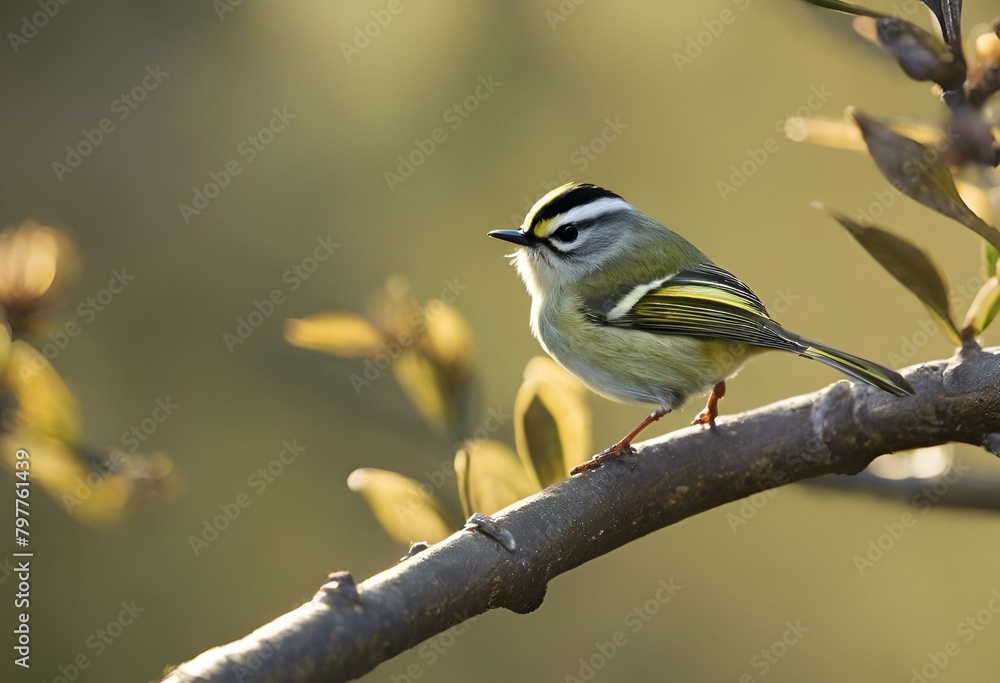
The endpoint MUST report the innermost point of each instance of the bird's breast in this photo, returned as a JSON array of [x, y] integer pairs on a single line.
[[630, 365]]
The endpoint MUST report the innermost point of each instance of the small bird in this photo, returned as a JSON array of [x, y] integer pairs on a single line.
[[639, 314]]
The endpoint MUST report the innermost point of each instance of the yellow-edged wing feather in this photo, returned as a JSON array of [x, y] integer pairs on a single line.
[[710, 302], [706, 301]]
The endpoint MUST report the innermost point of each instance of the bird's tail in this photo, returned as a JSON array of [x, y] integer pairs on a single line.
[[858, 368]]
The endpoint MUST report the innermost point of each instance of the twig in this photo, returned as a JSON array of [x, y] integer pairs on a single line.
[[347, 630], [953, 489]]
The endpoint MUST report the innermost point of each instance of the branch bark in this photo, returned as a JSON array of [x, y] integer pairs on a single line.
[[346, 630]]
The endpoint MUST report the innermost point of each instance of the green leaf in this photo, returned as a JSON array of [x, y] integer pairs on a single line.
[[551, 421], [401, 505], [919, 172], [490, 477], [462, 480], [921, 55], [846, 8], [910, 265], [984, 308], [541, 439], [991, 255]]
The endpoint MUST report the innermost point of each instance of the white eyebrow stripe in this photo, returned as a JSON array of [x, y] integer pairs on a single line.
[[593, 210], [632, 298]]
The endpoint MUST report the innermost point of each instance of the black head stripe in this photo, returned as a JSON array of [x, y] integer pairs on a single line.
[[579, 195]]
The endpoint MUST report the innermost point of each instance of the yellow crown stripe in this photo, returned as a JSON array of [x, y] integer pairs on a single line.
[[543, 229]]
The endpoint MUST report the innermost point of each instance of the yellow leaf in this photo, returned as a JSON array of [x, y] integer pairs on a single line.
[[395, 310], [423, 384], [977, 199], [406, 511], [984, 308], [490, 477], [93, 497], [867, 28], [987, 49], [824, 131], [551, 421], [842, 133], [340, 334], [45, 404], [447, 342], [35, 262]]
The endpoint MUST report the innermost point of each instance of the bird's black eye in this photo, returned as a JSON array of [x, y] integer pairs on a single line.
[[567, 233]]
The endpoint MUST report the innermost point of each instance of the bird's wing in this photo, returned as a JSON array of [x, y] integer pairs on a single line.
[[704, 301]]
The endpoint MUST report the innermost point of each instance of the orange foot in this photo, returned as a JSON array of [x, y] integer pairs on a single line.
[[622, 448], [711, 411], [616, 451]]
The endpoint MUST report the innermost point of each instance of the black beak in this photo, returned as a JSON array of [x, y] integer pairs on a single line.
[[513, 236]]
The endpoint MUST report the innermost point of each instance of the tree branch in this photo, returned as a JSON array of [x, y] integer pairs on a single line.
[[347, 630]]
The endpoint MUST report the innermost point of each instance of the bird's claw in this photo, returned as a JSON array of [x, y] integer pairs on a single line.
[[711, 411], [626, 453], [705, 417]]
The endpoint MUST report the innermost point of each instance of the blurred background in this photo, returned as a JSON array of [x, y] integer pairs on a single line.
[[658, 103]]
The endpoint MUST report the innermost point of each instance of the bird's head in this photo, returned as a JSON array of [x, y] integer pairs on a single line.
[[569, 233]]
